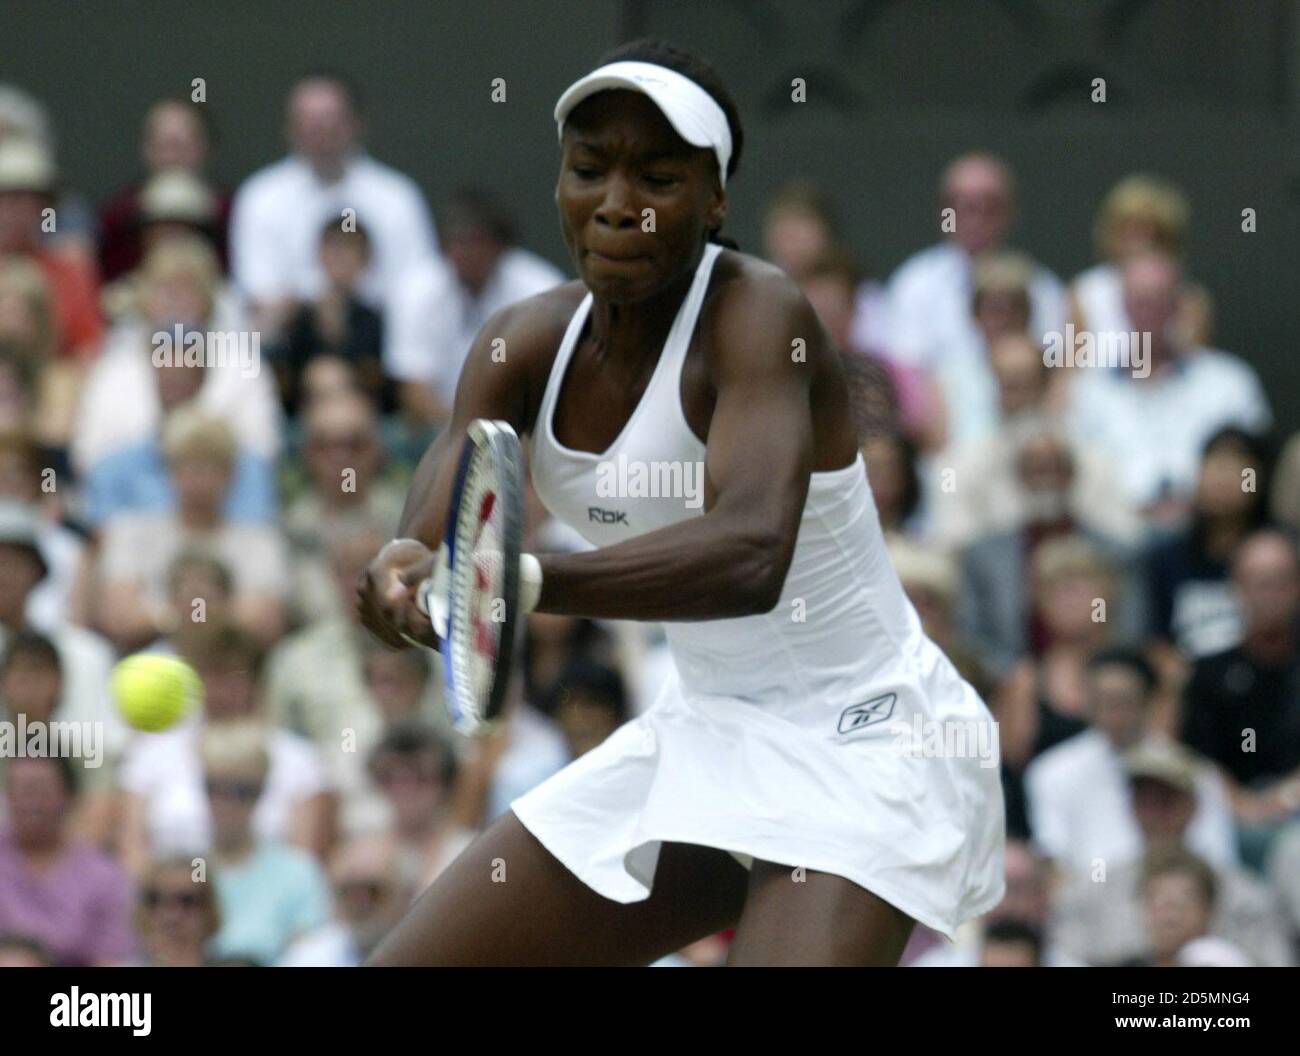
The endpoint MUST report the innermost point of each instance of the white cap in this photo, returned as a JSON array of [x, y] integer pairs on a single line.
[[693, 112]]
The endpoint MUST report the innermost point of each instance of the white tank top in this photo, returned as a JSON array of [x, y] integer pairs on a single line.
[[843, 627]]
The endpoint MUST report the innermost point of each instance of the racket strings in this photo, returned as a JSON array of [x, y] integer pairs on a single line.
[[482, 580]]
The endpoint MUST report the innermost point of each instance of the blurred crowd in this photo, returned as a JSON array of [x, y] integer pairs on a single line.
[[1106, 551]]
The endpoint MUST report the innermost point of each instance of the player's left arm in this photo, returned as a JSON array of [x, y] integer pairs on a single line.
[[733, 560]]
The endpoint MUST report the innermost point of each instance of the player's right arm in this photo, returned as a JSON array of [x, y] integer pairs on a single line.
[[495, 382]]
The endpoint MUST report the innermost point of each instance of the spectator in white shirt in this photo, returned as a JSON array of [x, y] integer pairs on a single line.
[[138, 379], [931, 292], [439, 307], [1151, 419], [279, 211], [1080, 794]]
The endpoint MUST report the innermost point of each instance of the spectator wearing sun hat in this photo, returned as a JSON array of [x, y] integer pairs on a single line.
[[28, 181]]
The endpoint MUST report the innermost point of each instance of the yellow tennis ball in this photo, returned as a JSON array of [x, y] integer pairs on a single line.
[[153, 691]]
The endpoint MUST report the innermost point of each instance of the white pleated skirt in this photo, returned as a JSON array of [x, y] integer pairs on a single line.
[[891, 807]]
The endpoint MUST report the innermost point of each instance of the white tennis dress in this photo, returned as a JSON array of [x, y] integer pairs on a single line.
[[829, 733]]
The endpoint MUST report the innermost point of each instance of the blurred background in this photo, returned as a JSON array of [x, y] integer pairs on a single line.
[[1110, 559]]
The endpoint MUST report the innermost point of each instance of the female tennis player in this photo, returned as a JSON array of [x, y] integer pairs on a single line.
[[778, 783]]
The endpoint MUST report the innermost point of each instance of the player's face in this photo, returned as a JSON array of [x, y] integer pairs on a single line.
[[635, 200]]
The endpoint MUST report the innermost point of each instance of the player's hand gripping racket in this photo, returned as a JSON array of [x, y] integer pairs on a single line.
[[472, 598]]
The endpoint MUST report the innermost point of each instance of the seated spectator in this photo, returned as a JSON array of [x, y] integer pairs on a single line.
[[1194, 611], [24, 117], [891, 464], [46, 386], [1080, 798], [144, 372], [175, 206], [279, 210], [369, 899], [1048, 590], [68, 896], [979, 490], [200, 592], [28, 476], [28, 181], [1242, 708], [316, 684], [336, 324], [269, 893], [1151, 419], [432, 820], [551, 642], [1140, 213], [176, 138], [884, 397], [176, 914], [164, 810], [136, 480], [439, 308], [1000, 309], [1098, 914], [401, 682], [591, 703], [1180, 895], [138, 548], [798, 229], [1011, 944], [930, 578], [85, 658], [930, 293], [347, 481]]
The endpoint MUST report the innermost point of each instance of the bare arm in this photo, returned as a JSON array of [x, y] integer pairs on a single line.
[[733, 560], [489, 387]]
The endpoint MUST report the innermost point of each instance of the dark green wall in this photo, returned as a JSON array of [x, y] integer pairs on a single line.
[[1202, 91]]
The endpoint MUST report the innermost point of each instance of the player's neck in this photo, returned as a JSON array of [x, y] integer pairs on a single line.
[[632, 333]]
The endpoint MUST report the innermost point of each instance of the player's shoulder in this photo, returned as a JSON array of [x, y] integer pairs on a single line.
[[535, 324], [751, 295]]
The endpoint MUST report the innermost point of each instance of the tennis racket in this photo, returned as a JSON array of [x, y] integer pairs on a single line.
[[473, 597]]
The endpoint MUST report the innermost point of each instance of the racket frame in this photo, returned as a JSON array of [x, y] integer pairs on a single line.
[[485, 438]]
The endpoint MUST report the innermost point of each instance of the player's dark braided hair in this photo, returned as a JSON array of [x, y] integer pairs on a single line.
[[662, 53]]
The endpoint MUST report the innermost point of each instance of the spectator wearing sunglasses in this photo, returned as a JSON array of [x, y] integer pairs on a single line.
[[269, 893], [176, 912]]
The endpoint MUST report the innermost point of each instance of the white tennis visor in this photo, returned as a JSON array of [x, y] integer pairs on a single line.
[[692, 111]]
